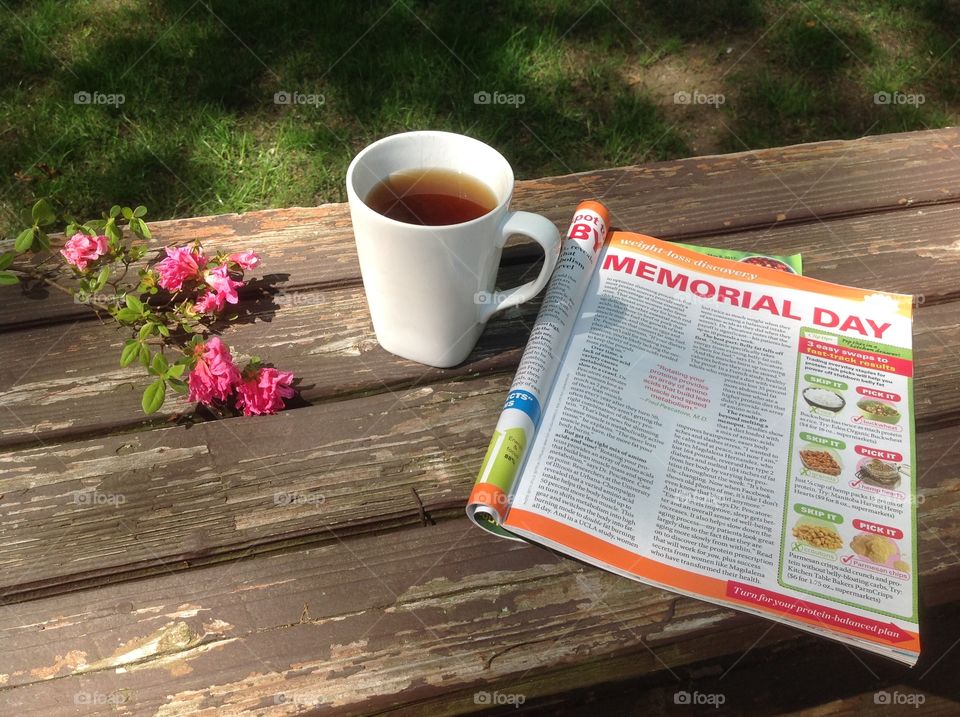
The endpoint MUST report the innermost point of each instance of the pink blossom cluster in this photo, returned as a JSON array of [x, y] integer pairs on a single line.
[[81, 250], [215, 378], [187, 269]]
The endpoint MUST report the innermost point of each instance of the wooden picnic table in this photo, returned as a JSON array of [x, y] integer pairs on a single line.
[[319, 561]]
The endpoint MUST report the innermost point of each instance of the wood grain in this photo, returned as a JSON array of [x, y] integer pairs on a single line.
[[319, 561], [109, 508], [802, 676], [422, 618], [89, 508], [312, 247], [326, 337]]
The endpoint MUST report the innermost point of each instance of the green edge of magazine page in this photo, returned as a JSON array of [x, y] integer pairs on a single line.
[[499, 531], [503, 470], [794, 261]]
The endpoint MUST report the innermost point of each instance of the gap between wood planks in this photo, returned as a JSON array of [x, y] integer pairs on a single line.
[[937, 341], [937, 527], [710, 195], [911, 252], [524, 252]]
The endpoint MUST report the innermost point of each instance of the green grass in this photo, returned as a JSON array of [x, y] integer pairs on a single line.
[[199, 131]]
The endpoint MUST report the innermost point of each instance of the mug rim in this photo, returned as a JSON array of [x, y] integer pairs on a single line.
[[447, 136]]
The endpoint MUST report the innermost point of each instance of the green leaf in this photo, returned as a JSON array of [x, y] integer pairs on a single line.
[[127, 316], [154, 396], [140, 211], [144, 355], [159, 365], [43, 213], [127, 213], [95, 225], [141, 229], [146, 330], [115, 211], [164, 331], [24, 240], [176, 370], [6, 260], [102, 278], [177, 385], [134, 304], [129, 353], [7, 278], [112, 230], [43, 240]]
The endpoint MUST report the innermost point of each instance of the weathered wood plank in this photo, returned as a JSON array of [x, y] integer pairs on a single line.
[[805, 676], [326, 337], [89, 506], [423, 619], [105, 508], [315, 626], [680, 199], [343, 609]]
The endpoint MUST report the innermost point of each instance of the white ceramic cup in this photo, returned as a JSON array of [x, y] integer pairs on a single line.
[[430, 288]]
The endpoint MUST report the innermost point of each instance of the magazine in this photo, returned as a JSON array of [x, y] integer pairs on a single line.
[[718, 426]]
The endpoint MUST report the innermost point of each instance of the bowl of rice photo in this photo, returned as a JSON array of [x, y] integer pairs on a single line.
[[824, 399]]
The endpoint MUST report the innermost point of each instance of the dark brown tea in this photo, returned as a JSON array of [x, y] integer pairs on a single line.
[[431, 197]]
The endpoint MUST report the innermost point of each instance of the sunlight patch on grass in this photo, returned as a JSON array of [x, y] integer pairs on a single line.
[[199, 131]]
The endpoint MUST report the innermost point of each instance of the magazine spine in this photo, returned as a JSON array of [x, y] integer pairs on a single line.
[[520, 417]]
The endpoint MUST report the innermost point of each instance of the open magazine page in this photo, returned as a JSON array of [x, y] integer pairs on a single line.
[[736, 433], [538, 367], [521, 413]]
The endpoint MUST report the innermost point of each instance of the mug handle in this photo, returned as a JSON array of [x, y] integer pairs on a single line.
[[544, 233]]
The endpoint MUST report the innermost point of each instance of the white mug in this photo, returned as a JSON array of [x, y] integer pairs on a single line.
[[430, 288]]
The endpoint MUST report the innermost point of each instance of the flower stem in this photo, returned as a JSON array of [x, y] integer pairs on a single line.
[[59, 287]]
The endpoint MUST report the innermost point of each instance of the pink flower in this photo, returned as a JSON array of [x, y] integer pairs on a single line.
[[181, 265], [214, 374], [210, 302], [220, 280], [80, 249], [246, 259], [264, 391]]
